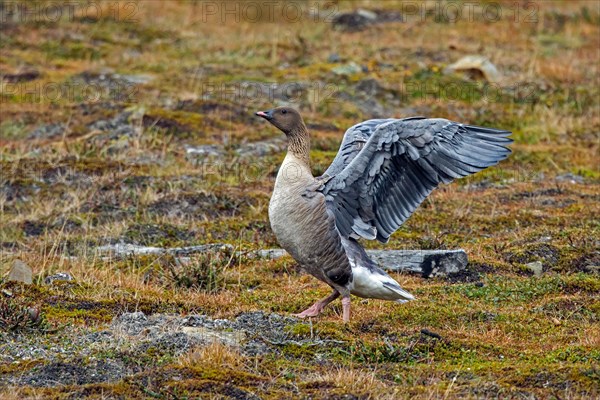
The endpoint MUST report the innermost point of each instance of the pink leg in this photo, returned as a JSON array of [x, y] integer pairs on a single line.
[[346, 308], [316, 308]]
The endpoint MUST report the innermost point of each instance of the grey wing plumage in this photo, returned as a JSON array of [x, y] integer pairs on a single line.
[[354, 140], [386, 168]]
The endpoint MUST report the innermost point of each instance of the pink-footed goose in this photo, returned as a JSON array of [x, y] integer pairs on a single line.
[[384, 169]]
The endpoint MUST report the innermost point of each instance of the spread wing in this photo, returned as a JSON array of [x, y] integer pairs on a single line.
[[386, 168]]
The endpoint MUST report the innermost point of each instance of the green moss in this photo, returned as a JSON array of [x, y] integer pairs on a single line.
[[20, 367], [299, 329], [72, 50], [501, 289], [575, 354], [582, 283], [313, 70], [590, 173], [10, 233], [79, 315], [13, 130], [177, 122], [304, 351]]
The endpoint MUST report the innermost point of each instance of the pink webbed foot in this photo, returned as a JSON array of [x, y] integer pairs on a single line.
[[311, 311], [316, 308]]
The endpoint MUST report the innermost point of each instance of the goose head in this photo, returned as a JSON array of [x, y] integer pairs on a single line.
[[286, 119]]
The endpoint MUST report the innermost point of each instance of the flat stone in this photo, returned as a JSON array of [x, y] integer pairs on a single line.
[[209, 150], [121, 249], [427, 263], [179, 251], [125, 249], [270, 254]]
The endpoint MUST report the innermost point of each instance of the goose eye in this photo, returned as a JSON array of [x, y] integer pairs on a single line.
[[284, 111]]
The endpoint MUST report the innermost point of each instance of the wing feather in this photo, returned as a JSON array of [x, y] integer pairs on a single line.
[[386, 167]]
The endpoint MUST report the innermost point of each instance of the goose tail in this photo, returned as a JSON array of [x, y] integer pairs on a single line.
[[404, 295]]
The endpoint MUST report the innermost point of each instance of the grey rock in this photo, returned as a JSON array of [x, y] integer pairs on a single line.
[[131, 323], [351, 22], [350, 68], [22, 76], [592, 269], [536, 267], [262, 148], [109, 85], [270, 254], [60, 276], [361, 19], [20, 272], [74, 373], [83, 355], [372, 99], [372, 108], [253, 332], [107, 78], [49, 131], [124, 249], [210, 150], [570, 178], [428, 263], [207, 335], [354, 21], [334, 58], [134, 79], [181, 251], [117, 127], [476, 66], [170, 342], [101, 336], [370, 87], [249, 150]]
